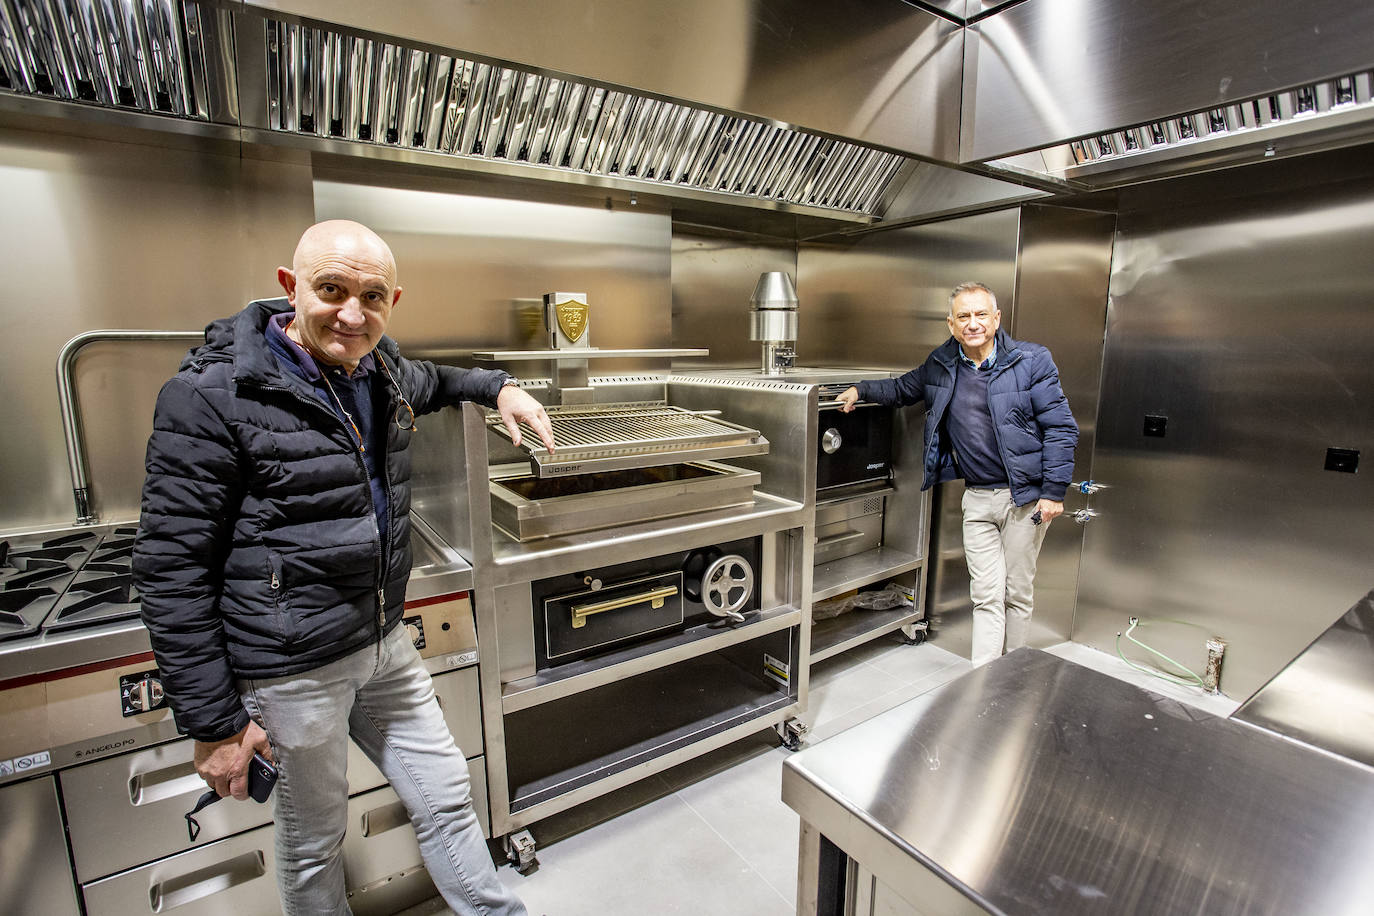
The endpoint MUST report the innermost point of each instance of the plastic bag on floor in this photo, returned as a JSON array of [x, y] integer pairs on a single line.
[[894, 596]]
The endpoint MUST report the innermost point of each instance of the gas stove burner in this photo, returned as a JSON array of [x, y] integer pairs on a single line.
[[55, 577], [23, 609], [65, 582], [95, 596]]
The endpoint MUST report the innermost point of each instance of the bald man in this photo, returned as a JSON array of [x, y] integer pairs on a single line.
[[272, 560]]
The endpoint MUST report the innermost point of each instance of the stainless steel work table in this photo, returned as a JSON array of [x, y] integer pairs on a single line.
[[1034, 785]]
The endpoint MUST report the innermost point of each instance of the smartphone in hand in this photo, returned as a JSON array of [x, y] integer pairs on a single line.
[[262, 777]]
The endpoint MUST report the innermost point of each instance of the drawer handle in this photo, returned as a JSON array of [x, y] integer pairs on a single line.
[[655, 597], [192, 886], [838, 538], [387, 817], [159, 785]]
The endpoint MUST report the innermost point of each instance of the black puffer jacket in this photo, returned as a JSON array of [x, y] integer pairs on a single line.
[[258, 553]]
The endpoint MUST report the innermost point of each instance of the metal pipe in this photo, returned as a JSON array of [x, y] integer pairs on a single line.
[[71, 412]]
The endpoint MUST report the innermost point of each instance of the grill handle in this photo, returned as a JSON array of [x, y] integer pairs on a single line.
[[836, 404], [655, 597]]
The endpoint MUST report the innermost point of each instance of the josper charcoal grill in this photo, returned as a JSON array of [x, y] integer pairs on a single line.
[[613, 463]]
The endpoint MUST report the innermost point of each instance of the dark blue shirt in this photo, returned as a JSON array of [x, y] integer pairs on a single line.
[[350, 399], [969, 422]]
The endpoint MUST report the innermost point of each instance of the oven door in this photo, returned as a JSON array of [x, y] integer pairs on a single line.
[[853, 447], [588, 620]]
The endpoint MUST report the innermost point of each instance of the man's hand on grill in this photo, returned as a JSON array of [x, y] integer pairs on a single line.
[[516, 407], [224, 764]]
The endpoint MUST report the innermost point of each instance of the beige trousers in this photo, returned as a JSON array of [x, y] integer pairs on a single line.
[[1001, 545]]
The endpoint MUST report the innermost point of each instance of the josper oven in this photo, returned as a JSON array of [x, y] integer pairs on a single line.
[[851, 448]]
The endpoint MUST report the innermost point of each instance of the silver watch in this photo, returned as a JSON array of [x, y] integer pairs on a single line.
[[511, 382]]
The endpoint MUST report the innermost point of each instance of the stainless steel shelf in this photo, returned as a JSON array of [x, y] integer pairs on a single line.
[[839, 634], [838, 576], [554, 750], [515, 562], [605, 669]]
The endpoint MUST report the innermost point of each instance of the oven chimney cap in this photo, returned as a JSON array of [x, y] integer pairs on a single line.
[[774, 291]]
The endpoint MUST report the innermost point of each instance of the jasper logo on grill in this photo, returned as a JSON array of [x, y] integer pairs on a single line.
[[572, 318]]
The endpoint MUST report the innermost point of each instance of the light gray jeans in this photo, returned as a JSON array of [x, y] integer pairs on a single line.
[[1001, 545], [382, 697]]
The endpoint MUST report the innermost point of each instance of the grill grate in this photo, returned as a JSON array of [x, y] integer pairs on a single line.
[[619, 436]]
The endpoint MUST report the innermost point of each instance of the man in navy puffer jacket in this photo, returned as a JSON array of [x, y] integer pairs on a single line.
[[997, 417], [272, 560]]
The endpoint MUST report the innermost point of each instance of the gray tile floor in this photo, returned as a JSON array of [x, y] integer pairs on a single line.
[[712, 835]]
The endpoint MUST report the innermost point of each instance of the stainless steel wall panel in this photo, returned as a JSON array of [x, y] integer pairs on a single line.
[[1240, 312], [880, 300], [119, 235], [469, 263], [712, 279], [1061, 303], [882, 72], [1043, 72]]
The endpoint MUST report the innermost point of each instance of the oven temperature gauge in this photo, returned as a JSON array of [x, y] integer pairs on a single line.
[[140, 692]]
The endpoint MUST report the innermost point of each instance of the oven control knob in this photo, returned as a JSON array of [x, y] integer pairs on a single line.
[[726, 586], [831, 441], [146, 694]]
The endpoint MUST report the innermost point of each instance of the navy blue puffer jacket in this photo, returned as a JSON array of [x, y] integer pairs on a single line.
[[1036, 434], [258, 553]]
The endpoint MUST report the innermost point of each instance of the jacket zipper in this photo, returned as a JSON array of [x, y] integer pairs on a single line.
[[996, 430], [380, 572]]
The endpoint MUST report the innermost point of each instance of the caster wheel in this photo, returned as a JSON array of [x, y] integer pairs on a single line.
[[520, 852], [916, 638], [792, 734]]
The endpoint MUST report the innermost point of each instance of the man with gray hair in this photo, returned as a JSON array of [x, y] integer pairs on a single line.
[[997, 417]]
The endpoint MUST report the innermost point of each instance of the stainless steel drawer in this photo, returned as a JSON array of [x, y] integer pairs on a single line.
[[124, 811], [236, 876], [849, 527], [127, 810], [460, 699]]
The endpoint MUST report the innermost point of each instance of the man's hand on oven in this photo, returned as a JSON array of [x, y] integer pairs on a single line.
[[848, 399], [516, 407]]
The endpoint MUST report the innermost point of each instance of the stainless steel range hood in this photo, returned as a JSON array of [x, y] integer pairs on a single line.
[[328, 84], [1112, 92], [815, 121]]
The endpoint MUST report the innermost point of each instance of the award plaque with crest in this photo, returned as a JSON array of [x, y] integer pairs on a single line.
[[566, 318]]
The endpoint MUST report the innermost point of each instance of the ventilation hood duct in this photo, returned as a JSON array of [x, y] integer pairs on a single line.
[[1103, 93], [281, 81], [255, 73], [328, 84], [1324, 115]]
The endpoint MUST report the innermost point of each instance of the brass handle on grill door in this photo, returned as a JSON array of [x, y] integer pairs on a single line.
[[655, 597]]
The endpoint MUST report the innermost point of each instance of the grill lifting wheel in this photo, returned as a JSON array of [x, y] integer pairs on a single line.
[[723, 584], [727, 583]]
